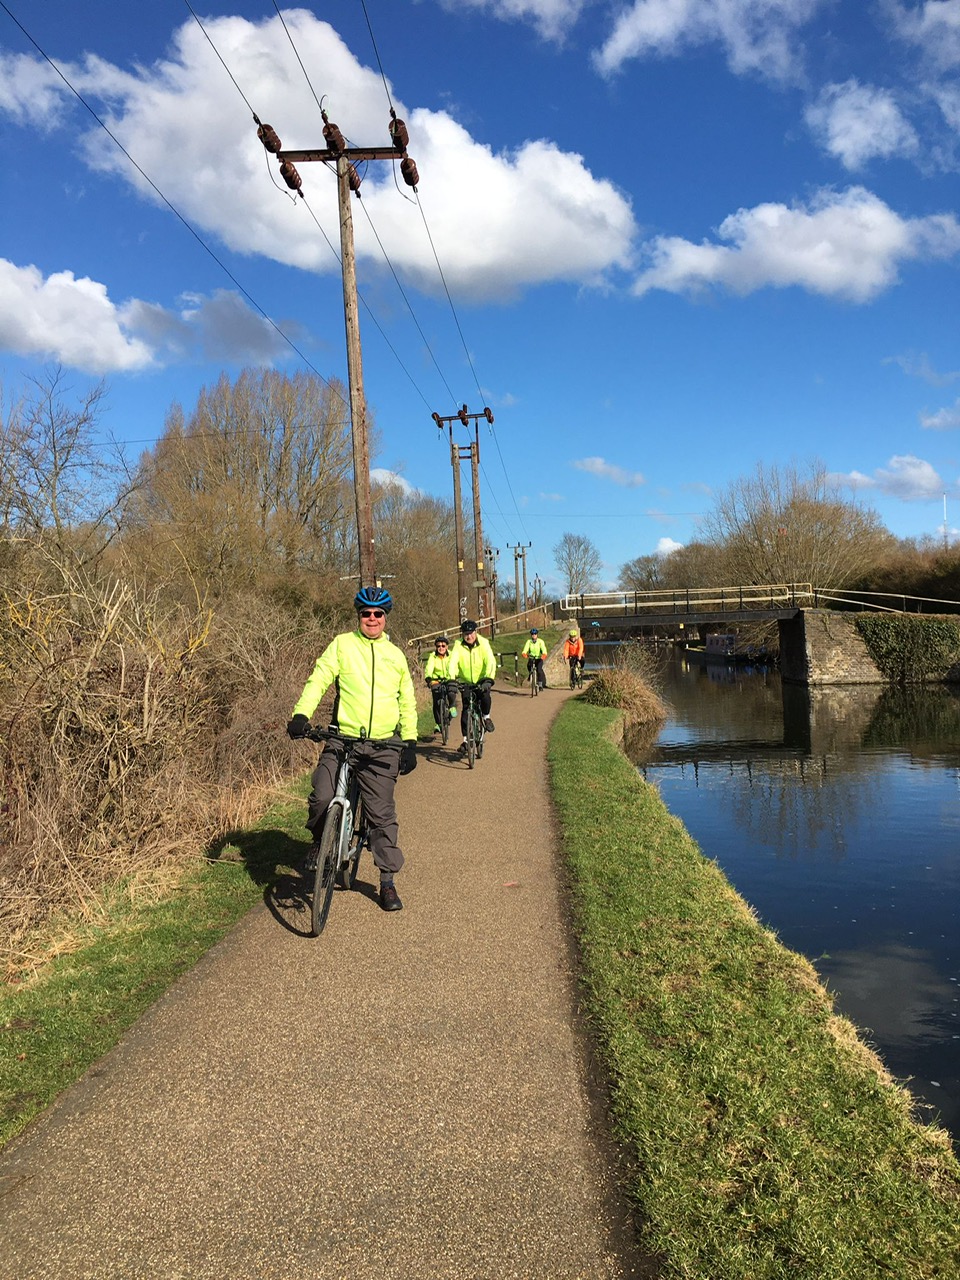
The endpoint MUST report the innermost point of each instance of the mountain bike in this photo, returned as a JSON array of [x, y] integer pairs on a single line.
[[534, 680], [476, 730], [576, 676], [335, 856], [447, 710]]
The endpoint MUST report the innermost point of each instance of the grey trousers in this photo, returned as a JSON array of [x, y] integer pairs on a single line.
[[375, 769]]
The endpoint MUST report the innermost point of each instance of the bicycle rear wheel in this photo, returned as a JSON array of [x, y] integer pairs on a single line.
[[327, 857]]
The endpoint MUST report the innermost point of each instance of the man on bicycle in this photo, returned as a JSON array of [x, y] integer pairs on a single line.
[[573, 651], [375, 702], [535, 651], [472, 661], [439, 678]]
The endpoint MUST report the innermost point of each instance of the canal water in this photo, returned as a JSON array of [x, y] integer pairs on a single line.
[[836, 814]]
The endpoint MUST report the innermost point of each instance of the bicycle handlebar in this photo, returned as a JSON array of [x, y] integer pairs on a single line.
[[316, 734]]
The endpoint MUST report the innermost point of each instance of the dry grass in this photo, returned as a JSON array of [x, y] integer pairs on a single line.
[[132, 736], [629, 684]]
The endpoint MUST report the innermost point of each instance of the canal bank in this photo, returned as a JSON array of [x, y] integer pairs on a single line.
[[767, 1140]]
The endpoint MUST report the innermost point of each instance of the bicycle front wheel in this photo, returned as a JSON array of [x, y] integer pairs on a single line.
[[327, 858], [444, 722], [534, 683], [471, 742]]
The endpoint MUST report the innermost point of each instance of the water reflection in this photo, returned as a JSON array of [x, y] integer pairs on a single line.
[[836, 813]]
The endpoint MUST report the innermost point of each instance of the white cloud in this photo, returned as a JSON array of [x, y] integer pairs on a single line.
[[906, 477], [756, 35], [393, 480], [666, 546], [72, 320], [66, 318], [542, 215], [858, 122], [30, 91], [934, 27], [917, 365], [846, 244], [552, 18], [608, 471], [943, 420]]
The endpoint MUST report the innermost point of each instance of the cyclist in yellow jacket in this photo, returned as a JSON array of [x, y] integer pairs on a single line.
[[439, 677], [535, 651], [472, 661], [375, 702]]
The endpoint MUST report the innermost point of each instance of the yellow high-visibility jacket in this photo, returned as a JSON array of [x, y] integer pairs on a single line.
[[437, 667], [374, 687], [471, 665]]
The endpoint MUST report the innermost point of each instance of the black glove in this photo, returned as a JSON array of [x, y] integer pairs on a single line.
[[486, 685], [408, 758], [299, 726]]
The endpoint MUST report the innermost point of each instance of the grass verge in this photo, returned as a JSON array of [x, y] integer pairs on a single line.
[[79, 1005], [766, 1139]]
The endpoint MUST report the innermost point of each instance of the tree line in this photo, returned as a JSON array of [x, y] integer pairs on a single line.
[[781, 525], [157, 621]]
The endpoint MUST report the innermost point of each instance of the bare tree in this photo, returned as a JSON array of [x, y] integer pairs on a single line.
[[645, 573], [63, 486], [253, 485], [794, 525], [579, 563]]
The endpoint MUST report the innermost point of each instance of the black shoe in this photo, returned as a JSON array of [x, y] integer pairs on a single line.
[[542, 688], [307, 866], [389, 898], [488, 724], [462, 749]]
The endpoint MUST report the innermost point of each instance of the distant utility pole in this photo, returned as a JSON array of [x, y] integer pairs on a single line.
[[520, 552], [490, 560], [456, 454], [348, 179]]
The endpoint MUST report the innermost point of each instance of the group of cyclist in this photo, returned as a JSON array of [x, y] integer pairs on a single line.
[[469, 660], [375, 707]]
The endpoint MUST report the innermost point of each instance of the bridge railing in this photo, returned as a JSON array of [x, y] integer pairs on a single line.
[[690, 599]]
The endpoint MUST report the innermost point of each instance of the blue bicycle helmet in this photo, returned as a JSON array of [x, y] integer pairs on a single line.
[[373, 598]]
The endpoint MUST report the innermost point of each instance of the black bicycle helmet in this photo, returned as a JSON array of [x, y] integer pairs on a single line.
[[467, 627], [373, 598], [441, 640]]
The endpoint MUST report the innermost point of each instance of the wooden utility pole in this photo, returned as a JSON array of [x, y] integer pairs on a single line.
[[520, 550], [348, 179], [457, 452]]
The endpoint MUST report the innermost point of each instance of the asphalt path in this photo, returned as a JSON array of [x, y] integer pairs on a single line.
[[409, 1096]]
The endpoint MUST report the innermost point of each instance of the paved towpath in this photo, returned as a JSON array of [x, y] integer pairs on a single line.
[[406, 1097]]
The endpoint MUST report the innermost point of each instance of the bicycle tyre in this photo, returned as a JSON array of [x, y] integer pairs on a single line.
[[347, 871], [479, 733], [444, 723], [327, 858], [534, 683], [471, 742]]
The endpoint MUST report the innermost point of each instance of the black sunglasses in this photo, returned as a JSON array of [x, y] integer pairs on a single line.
[[372, 613]]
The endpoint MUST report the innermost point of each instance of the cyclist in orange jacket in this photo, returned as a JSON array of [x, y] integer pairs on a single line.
[[573, 651]]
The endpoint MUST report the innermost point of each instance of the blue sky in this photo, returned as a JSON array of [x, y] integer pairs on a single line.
[[679, 237]]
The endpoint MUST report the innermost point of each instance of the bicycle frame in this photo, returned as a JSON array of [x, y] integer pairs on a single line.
[[475, 727]]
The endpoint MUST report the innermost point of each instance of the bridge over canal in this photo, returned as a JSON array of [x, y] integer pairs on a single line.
[[819, 643]]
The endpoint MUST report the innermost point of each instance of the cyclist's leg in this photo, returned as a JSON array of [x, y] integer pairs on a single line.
[[540, 674], [323, 783], [439, 704], [376, 771]]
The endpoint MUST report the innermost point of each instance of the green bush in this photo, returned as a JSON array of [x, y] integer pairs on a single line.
[[909, 649]]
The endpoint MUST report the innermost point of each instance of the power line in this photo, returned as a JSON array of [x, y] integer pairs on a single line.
[[173, 209]]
